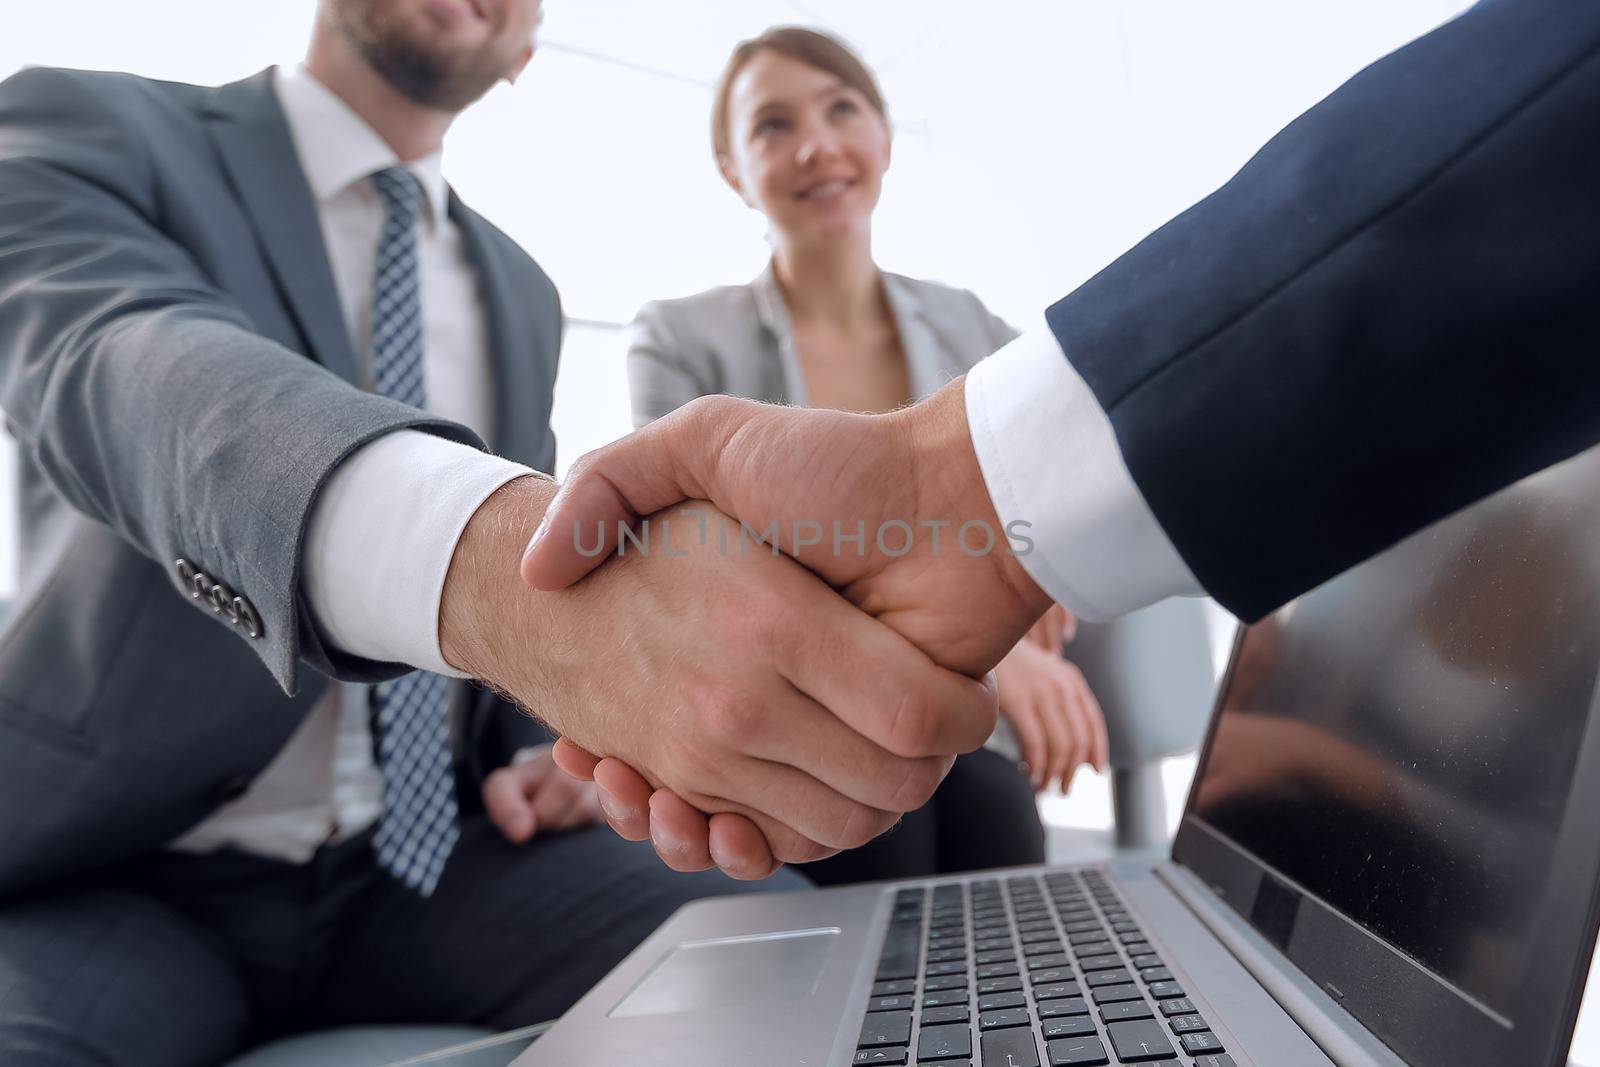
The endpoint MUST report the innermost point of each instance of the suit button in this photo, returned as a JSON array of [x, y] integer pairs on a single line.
[[232, 789], [247, 616], [194, 579], [222, 599]]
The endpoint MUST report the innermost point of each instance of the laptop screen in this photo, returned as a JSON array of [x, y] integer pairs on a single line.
[[1401, 744]]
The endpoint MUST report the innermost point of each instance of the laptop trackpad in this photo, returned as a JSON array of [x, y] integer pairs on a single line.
[[713, 976]]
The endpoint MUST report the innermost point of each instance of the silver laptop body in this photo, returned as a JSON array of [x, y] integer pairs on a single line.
[[1389, 855]]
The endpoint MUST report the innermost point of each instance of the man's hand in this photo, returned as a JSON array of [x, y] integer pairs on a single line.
[[932, 561], [533, 796], [740, 682]]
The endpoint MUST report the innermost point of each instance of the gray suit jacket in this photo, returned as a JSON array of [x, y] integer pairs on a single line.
[[737, 340], [176, 373]]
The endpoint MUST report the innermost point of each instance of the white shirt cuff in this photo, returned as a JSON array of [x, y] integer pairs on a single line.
[[381, 537], [1050, 459]]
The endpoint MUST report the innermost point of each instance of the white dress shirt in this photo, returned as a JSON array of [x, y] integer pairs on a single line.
[[364, 537]]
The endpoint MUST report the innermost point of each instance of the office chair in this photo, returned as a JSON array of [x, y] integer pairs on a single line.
[[1152, 672]]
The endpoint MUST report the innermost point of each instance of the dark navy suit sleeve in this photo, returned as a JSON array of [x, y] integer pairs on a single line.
[[1391, 311]]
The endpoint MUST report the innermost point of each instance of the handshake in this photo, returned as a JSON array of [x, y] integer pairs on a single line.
[[783, 642]]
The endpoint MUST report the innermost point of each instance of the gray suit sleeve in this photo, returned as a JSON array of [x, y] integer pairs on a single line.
[[142, 392], [660, 379]]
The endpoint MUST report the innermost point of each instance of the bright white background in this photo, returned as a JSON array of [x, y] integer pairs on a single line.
[[1035, 141]]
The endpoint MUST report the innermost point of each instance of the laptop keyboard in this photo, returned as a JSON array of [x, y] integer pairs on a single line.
[[1027, 971]]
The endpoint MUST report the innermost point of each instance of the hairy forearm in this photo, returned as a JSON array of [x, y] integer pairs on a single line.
[[485, 605]]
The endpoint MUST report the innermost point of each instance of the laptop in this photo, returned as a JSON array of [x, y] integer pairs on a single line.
[[1389, 855]]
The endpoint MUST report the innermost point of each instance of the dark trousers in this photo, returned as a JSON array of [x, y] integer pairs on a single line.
[[983, 815], [190, 959]]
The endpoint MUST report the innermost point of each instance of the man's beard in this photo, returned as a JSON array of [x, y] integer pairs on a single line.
[[448, 83]]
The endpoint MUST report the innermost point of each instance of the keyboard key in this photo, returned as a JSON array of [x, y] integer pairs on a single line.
[[1056, 989], [885, 1028], [1125, 927], [1220, 1060], [1041, 948], [1084, 926], [952, 1013], [890, 1003], [1002, 956], [1204, 1041], [1076, 1052], [944, 1042], [944, 998], [994, 970], [999, 985], [1182, 1006], [1011, 1048], [1146, 959], [1134, 938], [945, 981], [996, 1001], [1188, 1024], [1058, 959], [1100, 963], [1093, 948], [1166, 990], [1053, 1009], [1048, 933], [1112, 993], [1072, 1026], [1097, 979], [945, 955], [894, 989], [1000, 1020], [948, 967], [1139, 1040], [1124, 1010], [900, 952], [1155, 974], [894, 1056], [1052, 974]]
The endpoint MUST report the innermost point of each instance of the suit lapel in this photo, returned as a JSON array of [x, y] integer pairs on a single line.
[[513, 347], [252, 138]]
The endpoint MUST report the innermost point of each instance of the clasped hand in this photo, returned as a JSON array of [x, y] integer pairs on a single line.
[[739, 682], [870, 702]]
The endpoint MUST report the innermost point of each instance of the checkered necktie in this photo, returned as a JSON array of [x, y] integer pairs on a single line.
[[419, 824]]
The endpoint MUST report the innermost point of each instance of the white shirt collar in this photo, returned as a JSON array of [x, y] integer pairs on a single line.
[[336, 146]]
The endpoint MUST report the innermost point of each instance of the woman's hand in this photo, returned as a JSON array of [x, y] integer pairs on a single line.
[[531, 795], [1057, 720], [1055, 628]]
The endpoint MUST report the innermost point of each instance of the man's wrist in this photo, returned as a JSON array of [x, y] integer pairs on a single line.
[[484, 597], [950, 484]]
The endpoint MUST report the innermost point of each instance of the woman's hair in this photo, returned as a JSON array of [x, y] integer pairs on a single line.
[[810, 47]]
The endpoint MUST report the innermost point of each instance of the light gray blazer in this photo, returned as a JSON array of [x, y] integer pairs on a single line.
[[737, 340]]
